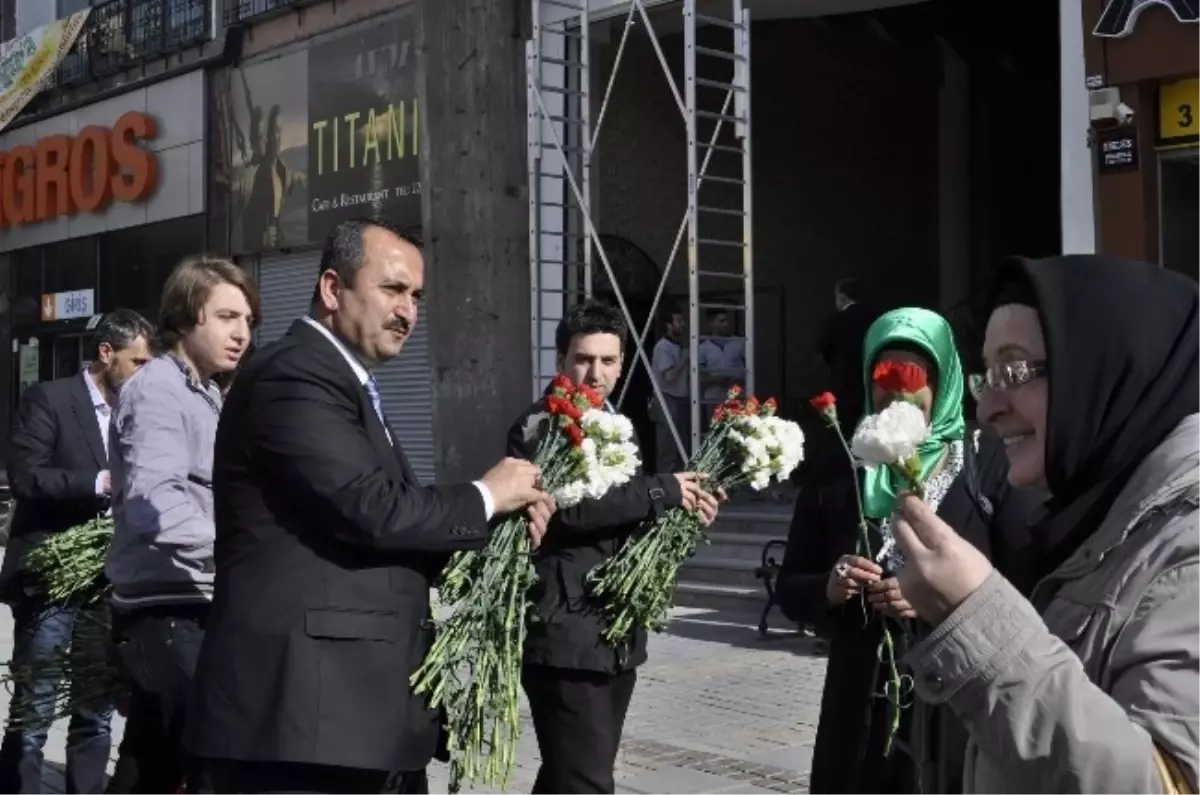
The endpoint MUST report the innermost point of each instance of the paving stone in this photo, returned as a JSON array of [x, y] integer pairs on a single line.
[[716, 709]]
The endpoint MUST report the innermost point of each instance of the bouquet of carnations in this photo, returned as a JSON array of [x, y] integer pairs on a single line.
[[747, 443], [889, 438], [68, 570], [473, 669]]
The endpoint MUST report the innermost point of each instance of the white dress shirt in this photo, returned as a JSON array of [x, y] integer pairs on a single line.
[[360, 372], [103, 419]]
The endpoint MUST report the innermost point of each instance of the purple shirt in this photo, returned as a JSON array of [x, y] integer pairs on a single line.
[[161, 452]]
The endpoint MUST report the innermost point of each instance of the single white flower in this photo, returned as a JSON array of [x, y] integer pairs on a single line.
[[891, 436]]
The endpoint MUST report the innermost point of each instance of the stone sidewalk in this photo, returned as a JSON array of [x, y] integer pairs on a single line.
[[716, 710]]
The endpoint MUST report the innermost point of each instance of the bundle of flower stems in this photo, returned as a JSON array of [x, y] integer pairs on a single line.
[[747, 443], [68, 569], [473, 670]]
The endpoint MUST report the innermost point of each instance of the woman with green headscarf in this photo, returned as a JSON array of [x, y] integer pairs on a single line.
[[849, 592]]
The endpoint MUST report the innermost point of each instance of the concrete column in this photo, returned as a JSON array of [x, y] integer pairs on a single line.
[[1075, 186], [476, 225], [954, 178]]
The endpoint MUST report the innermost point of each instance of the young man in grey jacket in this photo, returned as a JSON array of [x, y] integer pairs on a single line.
[[160, 563]]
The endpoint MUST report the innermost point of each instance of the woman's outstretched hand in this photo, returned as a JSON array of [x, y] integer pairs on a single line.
[[942, 567]]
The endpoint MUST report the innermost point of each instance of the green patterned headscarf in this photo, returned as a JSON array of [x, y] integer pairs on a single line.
[[928, 332]]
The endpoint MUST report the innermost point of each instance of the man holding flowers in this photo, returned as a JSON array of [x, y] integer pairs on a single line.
[[578, 687], [327, 545]]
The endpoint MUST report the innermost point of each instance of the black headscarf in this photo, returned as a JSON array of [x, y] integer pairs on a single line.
[[1123, 349]]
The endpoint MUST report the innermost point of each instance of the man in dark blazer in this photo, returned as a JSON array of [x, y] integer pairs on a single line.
[[327, 546], [578, 687], [59, 477], [841, 348]]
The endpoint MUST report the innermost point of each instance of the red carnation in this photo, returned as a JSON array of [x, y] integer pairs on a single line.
[[824, 402], [562, 383], [556, 404], [772, 405], [595, 400], [900, 378], [719, 414], [753, 406], [734, 391], [575, 434]]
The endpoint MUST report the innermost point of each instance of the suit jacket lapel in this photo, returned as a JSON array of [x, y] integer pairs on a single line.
[[85, 413], [389, 453]]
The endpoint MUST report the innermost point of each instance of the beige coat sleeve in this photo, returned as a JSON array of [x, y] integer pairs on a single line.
[[1032, 710]]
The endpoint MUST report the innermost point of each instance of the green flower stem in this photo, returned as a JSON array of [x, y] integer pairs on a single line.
[[473, 669], [638, 584], [887, 648]]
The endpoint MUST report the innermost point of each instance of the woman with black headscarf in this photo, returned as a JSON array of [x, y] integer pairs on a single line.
[[1092, 682]]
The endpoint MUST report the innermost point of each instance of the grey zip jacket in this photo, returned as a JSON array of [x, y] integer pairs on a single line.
[[1081, 699]]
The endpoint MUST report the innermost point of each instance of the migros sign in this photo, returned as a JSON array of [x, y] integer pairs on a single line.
[[62, 175]]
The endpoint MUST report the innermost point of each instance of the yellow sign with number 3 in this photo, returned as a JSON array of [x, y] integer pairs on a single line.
[[1179, 109]]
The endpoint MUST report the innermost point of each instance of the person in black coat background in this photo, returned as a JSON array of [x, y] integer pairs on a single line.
[[928, 753], [59, 477], [841, 346], [326, 547], [578, 687]]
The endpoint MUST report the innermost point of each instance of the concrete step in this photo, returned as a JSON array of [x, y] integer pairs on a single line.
[[737, 546], [758, 521], [739, 599], [721, 571]]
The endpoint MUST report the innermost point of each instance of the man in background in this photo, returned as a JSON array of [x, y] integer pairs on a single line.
[[670, 361], [841, 348], [722, 362], [60, 478]]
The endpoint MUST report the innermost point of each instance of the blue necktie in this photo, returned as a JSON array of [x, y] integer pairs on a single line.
[[376, 401]]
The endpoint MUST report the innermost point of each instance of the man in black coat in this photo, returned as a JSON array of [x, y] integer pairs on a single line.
[[841, 348], [326, 546], [578, 687], [59, 477]]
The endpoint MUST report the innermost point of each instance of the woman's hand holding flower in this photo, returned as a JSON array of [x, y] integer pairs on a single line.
[[942, 567]]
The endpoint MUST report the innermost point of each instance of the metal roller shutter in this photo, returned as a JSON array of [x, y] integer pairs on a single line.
[[406, 386], [286, 284], [285, 289]]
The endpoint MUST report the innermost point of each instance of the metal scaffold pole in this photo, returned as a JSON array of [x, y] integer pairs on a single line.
[[561, 142]]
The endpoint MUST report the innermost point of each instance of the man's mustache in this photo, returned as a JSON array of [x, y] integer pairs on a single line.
[[399, 324]]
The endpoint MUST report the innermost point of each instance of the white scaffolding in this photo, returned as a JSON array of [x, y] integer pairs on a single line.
[[716, 223]]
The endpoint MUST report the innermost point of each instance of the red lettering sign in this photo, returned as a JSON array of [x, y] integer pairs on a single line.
[[61, 175]]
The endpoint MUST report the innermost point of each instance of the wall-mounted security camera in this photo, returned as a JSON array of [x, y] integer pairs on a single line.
[[1107, 109]]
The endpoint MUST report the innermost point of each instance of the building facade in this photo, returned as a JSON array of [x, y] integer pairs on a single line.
[[1141, 65], [256, 126]]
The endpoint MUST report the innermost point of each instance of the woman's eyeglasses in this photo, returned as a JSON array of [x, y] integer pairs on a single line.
[[1006, 375]]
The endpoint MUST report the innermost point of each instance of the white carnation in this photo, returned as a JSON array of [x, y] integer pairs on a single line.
[[787, 448], [571, 494], [891, 436]]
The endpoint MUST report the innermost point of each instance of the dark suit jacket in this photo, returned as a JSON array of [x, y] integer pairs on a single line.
[[57, 453], [567, 632], [841, 346], [325, 549]]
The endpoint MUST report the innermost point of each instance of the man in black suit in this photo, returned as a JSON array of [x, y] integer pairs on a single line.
[[578, 687], [841, 349], [327, 546], [59, 477]]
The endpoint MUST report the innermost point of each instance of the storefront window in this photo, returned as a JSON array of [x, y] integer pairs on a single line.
[[135, 262], [1179, 209], [27, 286], [70, 265]]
